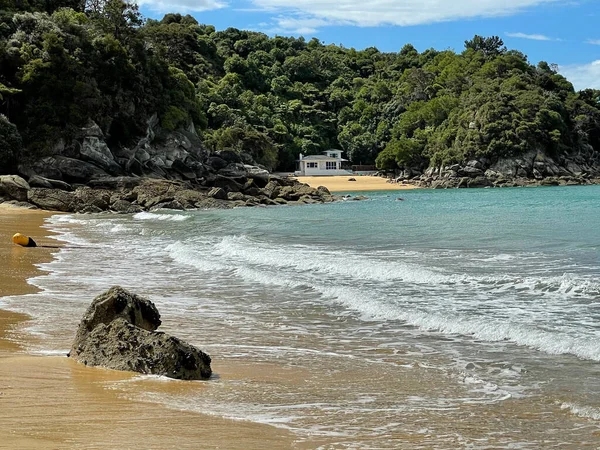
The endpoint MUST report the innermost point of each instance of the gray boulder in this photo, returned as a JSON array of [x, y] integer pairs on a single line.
[[234, 170], [213, 203], [53, 199], [189, 197], [41, 182], [271, 190], [216, 162], [323, 190], [99, 198], [152, 192], [187, 172], [125, 207], [114, 183], [118, 331], [14, 187], [226, 183], [236, 196], [471, 171], [218, 193], [71, 170], [93, 148]]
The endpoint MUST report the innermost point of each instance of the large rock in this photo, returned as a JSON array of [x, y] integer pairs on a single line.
[[93, 148], [216, 163], [54, 199], [96, 151], [37, 181], [70, 170], [14, 187], [226, 183], [118, 331], [114, 183], [271, 190], [234, 170], [218, 193], [153, 192], [189, 197], [471, 171], [125, 207], [99, 198], [187, 172]]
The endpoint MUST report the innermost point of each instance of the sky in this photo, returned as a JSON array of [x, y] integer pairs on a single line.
[[563, 32]]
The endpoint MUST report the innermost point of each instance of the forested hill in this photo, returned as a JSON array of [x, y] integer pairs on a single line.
[[64, 63]]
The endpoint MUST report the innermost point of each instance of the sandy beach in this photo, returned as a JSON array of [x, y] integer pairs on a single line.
[[51, 402], [362, 183]]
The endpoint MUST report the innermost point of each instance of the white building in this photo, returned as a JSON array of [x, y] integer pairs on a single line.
[[327, 164]]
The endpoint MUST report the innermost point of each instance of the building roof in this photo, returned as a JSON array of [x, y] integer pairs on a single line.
[[318, 158]]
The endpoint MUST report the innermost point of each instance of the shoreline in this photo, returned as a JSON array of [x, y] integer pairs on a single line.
[[55, 402], [362, 183]]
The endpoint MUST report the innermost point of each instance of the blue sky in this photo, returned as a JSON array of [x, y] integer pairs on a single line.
[[564, 32]]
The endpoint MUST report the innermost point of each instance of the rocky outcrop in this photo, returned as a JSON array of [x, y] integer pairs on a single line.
[[162, 170], [118, 331], [530, 169], [132, 194]]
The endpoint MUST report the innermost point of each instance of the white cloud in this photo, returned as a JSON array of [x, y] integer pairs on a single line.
[[534, 37], [181, 5], [593, 41], [583, 76], [393, 12], [298, 26]]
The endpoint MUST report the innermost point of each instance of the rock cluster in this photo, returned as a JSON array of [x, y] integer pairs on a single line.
[[172, 171], [532, 169], [136, 194], [118, 331]]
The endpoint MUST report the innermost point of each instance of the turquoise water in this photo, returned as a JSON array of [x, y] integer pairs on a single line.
[[448, 319]]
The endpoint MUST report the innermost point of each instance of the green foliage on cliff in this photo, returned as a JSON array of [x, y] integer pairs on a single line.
[[63, 63]]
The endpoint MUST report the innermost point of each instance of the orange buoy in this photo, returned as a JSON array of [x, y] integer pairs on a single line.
[[23, 241]]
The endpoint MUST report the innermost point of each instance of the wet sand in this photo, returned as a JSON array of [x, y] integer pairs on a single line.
[[52, 402], [362, 183]]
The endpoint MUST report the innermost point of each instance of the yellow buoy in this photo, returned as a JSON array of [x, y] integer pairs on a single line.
[[23, 241]]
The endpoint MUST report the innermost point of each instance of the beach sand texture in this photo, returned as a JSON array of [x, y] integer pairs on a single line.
[[362, 183], [52, 402]]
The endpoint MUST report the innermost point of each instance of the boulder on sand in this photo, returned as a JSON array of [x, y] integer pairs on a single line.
[[14, 187], [118, 331]]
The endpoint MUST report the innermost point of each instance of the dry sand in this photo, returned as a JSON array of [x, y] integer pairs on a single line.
[[362, 183], [52, 402]]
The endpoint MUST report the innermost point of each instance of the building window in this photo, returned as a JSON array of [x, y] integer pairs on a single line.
[[311, 165], [331, 165]]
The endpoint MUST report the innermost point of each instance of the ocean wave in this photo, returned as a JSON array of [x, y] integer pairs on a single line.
[[166, 217], [316, 261], [65, 219], [385, 305], [484, 327], [587, 412]]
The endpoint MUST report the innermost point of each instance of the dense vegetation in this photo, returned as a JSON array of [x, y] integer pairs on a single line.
[[66, 62]]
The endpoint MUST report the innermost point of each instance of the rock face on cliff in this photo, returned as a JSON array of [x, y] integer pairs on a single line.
[[118, 331], [530, 169]]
